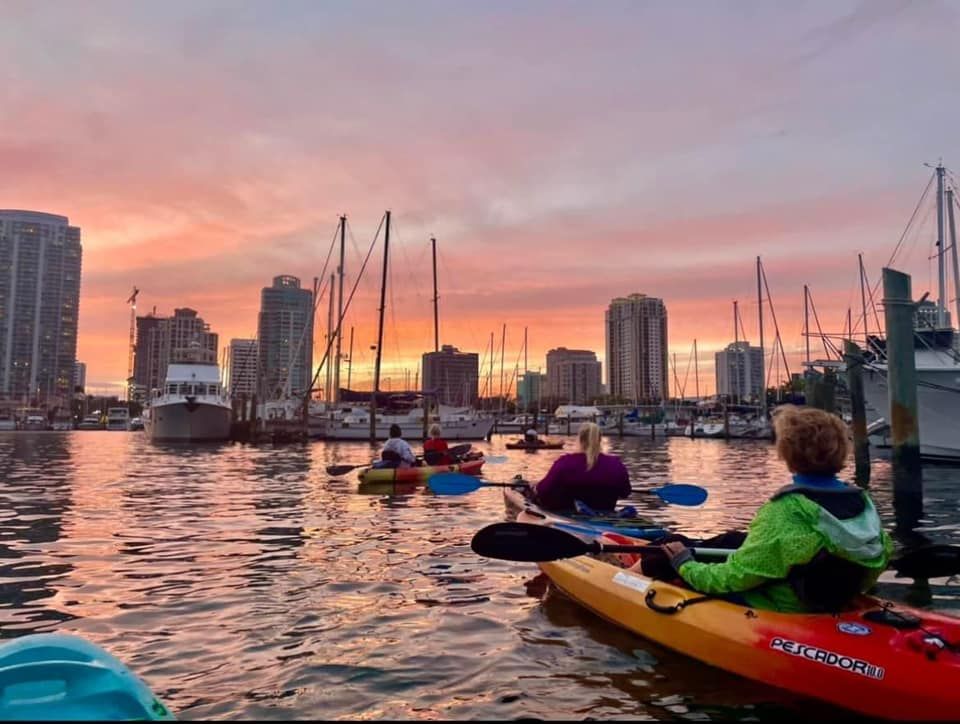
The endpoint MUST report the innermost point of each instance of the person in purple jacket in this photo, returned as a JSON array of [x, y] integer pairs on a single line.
[[590, 476]]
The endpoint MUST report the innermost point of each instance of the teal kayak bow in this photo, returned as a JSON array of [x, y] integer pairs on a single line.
[[64, 677]]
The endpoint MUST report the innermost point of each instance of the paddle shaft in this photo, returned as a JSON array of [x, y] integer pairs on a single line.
[[598, 547]]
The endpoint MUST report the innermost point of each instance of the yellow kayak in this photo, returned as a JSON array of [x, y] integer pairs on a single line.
[[418, 474]]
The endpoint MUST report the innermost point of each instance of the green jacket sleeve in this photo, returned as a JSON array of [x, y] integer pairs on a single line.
[[776, 540]]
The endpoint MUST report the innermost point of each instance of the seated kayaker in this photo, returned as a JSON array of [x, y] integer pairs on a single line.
[[530, 437], [597, 479], [814, 546], [435, 448], [396, 453]]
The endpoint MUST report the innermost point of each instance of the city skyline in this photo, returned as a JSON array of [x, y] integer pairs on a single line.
[[624, 162]]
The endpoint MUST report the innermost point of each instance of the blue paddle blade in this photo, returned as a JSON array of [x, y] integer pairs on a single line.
[[681, 494], [57, 676], [594, 530], [453, 483]]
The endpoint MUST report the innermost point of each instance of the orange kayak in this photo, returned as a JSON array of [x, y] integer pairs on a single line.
[[878, 658]]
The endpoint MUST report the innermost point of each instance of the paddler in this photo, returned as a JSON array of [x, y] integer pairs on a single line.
[[589, 476], [397, 450], [435, 448], [814, 546]]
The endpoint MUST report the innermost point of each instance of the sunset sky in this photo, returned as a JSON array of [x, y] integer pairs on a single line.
[[563, 153]]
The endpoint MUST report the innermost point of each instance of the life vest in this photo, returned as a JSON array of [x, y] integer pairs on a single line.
[[829, 582]]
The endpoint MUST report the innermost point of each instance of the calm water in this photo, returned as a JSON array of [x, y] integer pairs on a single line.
[[244, 582]]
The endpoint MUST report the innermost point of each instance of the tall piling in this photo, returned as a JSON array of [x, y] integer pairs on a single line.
[[853, 357], [898, 312]]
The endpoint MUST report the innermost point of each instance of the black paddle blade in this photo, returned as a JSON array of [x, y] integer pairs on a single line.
[[935, 561], [458, 450], [527, 542], [341, 469]]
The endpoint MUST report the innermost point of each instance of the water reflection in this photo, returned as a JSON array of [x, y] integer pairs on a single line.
[[35, 496], [244, 582]]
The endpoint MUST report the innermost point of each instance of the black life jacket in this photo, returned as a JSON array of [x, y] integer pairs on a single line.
[[827, 583]]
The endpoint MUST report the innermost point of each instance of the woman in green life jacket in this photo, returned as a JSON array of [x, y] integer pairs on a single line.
[[814, 546]]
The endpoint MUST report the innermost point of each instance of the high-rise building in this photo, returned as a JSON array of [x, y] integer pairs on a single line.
[[79, 376], [243, 367], [184, 337], [636, 336], [573, 375], [286, 339], [530, 389], [40, 257], [453, 375], [739, 371]]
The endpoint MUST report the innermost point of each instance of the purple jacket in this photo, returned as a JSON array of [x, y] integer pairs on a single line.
[[569, 480]]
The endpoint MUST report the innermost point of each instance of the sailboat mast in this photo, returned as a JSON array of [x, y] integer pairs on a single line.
[[763, 361], [735, 388], [696, 369], [806, 319], [350, 358], [336, 372], [953, 254], [863, 305], [941, 267], [490, 374], [503, 347], [436, 297], [383, 306], [330, 332]]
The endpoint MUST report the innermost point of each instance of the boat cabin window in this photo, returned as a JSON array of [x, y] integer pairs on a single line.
[[171, 389], [184, 388], [213, 390]]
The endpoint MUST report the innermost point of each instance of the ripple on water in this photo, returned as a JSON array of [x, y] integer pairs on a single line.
[[243, 582]]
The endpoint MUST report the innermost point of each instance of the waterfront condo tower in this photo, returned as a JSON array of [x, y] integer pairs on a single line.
[[636, 336], [40, 258]]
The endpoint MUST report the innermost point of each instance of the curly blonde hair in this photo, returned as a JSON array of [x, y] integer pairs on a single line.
[[811, 441]]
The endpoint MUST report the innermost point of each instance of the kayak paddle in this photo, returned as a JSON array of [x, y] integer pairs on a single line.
[[532, 543], [341, 469], [458, 484]]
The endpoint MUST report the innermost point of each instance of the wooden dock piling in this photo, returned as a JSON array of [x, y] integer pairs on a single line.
[[853, 356], [899, 310]]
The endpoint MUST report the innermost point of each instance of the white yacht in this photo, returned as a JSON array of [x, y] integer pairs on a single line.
[[7, 421], [568, 418], [192, 406], [118, 418], [461, 423]]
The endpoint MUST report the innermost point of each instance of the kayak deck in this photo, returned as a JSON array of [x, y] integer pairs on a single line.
[[588, 526]]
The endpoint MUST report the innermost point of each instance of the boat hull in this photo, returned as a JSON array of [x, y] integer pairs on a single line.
[[186, 422], [938, 410], [410, 430]]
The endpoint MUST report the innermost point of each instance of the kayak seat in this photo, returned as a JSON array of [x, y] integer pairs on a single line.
[[433, 457]]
